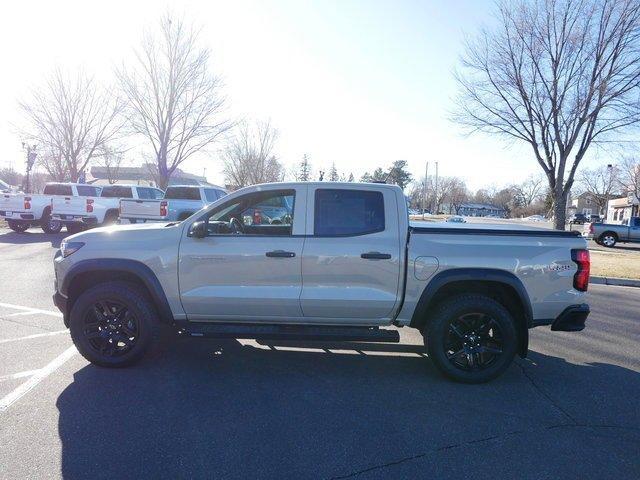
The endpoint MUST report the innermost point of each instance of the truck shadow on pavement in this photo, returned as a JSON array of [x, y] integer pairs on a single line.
[[33, 237], [221, 408]]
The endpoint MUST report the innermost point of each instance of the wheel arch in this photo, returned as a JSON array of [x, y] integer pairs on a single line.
[[88, 273], [500, 285]]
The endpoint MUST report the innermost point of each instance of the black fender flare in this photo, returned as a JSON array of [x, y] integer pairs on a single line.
[[449, 276], [131, 267]]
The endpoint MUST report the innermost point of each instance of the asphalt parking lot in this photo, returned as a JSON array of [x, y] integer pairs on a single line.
[[243, 409]]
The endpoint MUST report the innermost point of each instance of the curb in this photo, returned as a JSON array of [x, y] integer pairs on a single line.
[[619, 282]]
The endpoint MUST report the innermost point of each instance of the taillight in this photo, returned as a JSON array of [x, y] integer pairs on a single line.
[[581, 277], [591, 229], [89, 205], [163, 209], [120, 208], [27, 203], [257, 217]]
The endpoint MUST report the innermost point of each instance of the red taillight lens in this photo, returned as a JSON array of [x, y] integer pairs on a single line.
[[89, 205], [27, 203], [163, 209], [591, 229], [581, 277]]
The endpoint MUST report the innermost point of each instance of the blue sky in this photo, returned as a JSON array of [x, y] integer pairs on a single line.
[[361, 83]]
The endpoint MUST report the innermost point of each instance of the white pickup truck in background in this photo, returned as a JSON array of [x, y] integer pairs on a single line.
[[22, 210], [179, 202], [97, 210]]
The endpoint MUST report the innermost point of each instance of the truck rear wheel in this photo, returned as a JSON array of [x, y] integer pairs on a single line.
[[114, 324], [74, 228], [19, 227], [608, 239], [471, 338]]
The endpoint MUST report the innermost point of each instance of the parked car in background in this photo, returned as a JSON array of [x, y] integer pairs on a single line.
[[346, 263], [101, 208], [595, 219], [609, 234], [179, 202], [21, 210], [6, 188], [578, 219], [456, 219]]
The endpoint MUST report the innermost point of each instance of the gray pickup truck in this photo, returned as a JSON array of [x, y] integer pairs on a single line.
[[608, 234], [342, 262]]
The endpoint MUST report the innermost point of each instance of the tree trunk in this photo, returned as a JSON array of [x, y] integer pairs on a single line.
[[559, 210]]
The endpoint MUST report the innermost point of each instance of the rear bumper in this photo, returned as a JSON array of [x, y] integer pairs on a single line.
[[16, 215], [64, 218], [572, 319]]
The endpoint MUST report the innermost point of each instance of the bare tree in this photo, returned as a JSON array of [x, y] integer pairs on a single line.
[[559, 75], [174, 101], [72, 120], [532, 189], [601, 182], [111, 161], [249, 157], [629, 176]]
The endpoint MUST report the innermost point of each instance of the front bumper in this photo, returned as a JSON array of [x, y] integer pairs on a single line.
[[572, 319]]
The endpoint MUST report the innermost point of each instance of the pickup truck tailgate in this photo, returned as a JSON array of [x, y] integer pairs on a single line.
[[10, 202], [143, 209], [69, 205]]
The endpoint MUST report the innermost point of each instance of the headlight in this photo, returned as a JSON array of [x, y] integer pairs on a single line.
[[67, 248]]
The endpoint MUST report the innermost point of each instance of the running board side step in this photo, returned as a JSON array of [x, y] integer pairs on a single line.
[[289, 332]]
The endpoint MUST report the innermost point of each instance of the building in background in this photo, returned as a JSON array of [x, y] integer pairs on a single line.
[[481, 210], [623, 208]]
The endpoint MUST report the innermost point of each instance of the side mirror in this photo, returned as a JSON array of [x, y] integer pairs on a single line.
[[198, 229]]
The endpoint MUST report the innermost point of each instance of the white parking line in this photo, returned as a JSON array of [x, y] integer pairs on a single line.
[[31, 310], [35, 335], [26, 373], [37, 377]]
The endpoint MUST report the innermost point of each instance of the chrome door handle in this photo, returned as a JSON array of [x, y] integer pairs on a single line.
[[375, 256], [280, 254]]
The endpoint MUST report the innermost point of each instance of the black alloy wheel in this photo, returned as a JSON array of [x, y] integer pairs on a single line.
[[110, 328], [473, 342]]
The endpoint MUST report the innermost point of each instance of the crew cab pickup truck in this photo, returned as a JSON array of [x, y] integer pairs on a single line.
[[24, 210], [345, 264], [608, 234], [78, 213], [178, 203]]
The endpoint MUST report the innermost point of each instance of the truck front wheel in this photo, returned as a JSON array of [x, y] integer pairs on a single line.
[[114, 324], [471, 338]]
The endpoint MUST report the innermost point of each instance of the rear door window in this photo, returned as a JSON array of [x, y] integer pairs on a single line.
[[211, 194], [341, 212], [182, 193]]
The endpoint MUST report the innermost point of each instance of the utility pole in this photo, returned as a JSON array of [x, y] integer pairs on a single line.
[[31, 159], [424, 190]]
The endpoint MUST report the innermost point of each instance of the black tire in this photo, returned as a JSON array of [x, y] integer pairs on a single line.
[[117, 339], [19, 227], [476, 354], [74, 228], [48, 225], [608, 239], [110, 218]]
